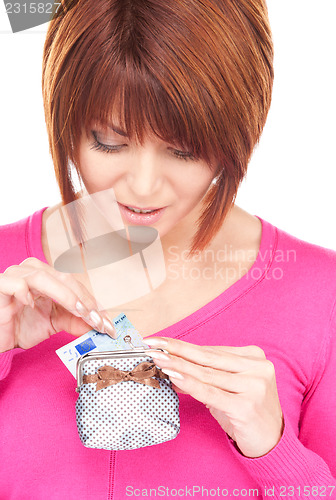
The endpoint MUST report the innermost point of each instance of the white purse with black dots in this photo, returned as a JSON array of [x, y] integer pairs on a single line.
[[125, 401]]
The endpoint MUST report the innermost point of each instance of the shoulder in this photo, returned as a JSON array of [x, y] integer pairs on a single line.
[[316, 260], [307, 272], [17, 237]]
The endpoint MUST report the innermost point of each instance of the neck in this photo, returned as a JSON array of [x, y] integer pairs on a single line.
[[182, 234]]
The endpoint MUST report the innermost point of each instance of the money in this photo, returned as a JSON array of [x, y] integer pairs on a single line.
[[94, 341]]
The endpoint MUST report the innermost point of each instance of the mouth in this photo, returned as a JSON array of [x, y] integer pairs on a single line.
[[143, 215], [146, 210]]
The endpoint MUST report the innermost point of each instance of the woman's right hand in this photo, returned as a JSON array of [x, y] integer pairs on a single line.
[[37, 301]]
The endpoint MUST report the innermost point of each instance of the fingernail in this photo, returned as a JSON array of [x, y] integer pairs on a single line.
[[155, 342], [96, 319], [160, 355], [110, 330], [172, 374], [83, 311]]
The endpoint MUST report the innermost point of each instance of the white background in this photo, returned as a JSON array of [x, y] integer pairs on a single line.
[[291, 177]]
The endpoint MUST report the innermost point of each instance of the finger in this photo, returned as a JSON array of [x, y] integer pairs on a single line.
[[91, 311], [13, 287], [228, 381], [84, 306], [61, 319], [41, 282], [209, 395], [232, 359], [31, 264], [252, 351], [178, 390]]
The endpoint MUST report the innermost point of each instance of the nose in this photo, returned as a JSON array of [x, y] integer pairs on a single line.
[[145, 178]]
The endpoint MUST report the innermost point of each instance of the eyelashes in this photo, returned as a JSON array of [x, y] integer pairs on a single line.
[[106, 149], [98, 146], [183, 156]]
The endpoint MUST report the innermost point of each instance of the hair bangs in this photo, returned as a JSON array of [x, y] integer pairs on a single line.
[[197, 75], [128, 96]]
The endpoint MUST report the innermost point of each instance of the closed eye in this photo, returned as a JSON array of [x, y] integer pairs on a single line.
[[98, 146], [182, 154]]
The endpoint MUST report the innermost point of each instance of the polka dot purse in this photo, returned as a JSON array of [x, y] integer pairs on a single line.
[[125, 401]]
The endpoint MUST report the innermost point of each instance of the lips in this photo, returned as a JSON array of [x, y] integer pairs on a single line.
[[138, 218]]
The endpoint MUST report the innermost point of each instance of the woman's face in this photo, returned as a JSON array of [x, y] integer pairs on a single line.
[[153, 176]]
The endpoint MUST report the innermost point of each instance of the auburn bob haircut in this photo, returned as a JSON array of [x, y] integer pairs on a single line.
[[196, 73]]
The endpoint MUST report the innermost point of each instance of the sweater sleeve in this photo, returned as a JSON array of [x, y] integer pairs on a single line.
[[304, 465]]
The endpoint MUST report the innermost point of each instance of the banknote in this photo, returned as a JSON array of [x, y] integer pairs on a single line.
[[127, 337]]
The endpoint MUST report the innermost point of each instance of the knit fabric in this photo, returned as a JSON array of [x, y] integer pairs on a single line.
[[285, 304]]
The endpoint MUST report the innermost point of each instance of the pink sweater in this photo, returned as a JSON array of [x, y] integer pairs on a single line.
[[285, 304]]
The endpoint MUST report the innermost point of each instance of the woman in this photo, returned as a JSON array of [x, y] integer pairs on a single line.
[[163, 102]]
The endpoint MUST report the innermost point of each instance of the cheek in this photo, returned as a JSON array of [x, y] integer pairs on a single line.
[[96, 173], [195, 185]]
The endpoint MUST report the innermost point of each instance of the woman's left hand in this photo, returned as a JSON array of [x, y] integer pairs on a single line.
[[237, 384]]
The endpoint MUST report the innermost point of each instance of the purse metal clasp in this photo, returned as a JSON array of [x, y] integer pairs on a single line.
[[135, 352]]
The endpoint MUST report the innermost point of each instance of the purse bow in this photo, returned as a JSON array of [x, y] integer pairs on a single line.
[[142, 373]]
